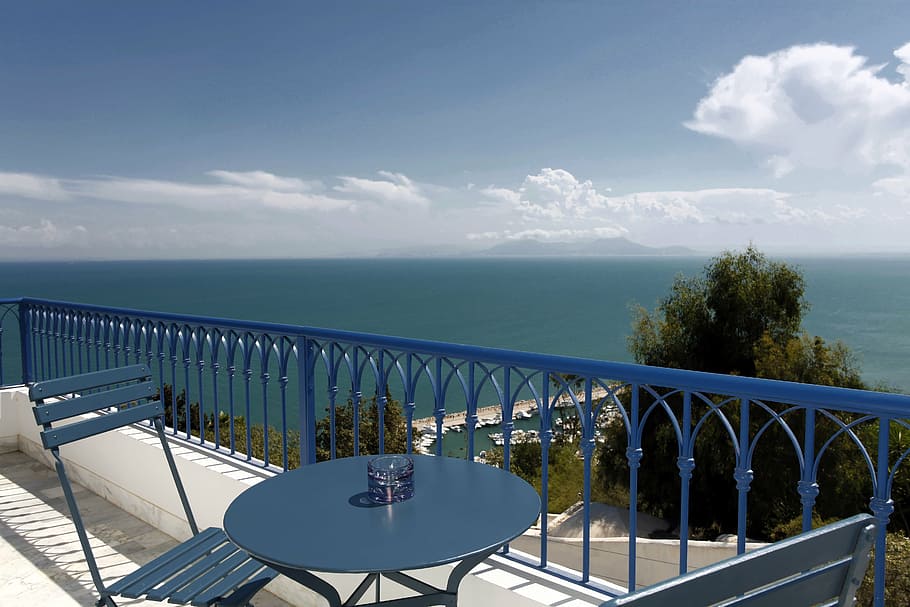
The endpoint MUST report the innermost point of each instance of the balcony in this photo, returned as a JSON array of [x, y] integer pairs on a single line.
[[295, 380]]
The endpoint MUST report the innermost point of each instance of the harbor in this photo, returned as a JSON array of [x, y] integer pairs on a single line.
[[491, 417]]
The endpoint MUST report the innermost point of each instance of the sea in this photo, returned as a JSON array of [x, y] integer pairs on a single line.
[[569, 306]]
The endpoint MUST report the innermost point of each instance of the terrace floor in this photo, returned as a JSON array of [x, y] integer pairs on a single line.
[[41, 561]]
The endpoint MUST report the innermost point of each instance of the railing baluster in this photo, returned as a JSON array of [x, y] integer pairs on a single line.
[[743, 475], [587, 451], [381, 385], [633, 455], [471, 411], [546, 435], [808, 488], [232, 370], [881, 507], [439, 404], [306, 372], [685, 463], [25, 343], [247, 377], [216, 406], [409, 405]]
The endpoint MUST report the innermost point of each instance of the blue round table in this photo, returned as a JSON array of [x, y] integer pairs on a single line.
[[318, 518]]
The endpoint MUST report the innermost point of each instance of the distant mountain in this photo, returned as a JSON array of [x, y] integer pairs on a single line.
[[423, 251], [593, 248]]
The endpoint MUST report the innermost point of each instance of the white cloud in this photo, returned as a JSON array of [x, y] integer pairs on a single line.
[[554, 205], [569, 206], [28, 185], [780, 165], [819, 106], [541, 234], [237, 215], [903, 68], [552, 194], [262, 180], [45, 234], [502, 194], [720, 205], [203, 196], [242, 191], [899, 187], [395, 188]]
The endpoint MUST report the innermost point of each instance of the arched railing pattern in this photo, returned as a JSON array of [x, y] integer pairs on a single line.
[[266, 393]]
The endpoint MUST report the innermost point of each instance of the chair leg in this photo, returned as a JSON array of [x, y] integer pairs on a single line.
[[106, 600]]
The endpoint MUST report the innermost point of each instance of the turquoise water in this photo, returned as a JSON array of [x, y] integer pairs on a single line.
[[577, 307]]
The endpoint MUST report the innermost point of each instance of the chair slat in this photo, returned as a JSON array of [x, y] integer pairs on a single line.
[[161, 568], [71, 407], [243, 580], [87, 381], [62, 435], [207, 578], [186, 576]]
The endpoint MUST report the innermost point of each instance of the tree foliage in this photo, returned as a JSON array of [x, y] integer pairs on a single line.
[[742, 316], [808, 360], [897, 574], [565, 473], [713, 322], [177, 415], [394, 424]]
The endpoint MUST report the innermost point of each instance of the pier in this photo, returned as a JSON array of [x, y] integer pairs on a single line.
[[486, 415]]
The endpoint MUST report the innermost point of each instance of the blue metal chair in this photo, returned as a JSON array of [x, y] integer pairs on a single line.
[[207, 569], [824, 566]]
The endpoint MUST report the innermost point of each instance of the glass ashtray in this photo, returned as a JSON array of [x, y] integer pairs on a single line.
[[390, 479]]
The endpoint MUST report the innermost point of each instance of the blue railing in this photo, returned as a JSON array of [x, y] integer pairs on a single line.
[[285, 377]]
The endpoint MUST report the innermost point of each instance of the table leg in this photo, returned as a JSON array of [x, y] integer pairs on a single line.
[[362, 589], [312, 582], [464, 567], [427, 593]]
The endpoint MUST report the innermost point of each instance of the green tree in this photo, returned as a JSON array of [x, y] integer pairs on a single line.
[[808, 360], [394, 424], [713, 322], [565, 473], [276, 440], [742, 316]]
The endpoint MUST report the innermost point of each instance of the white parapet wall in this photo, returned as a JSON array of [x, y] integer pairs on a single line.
[[11, 403], [656, 560]]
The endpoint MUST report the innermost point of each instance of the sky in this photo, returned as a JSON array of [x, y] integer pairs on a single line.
[[323, 129]]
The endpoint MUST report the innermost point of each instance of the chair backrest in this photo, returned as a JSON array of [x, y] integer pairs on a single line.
[[820, 567], [124, 396]]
